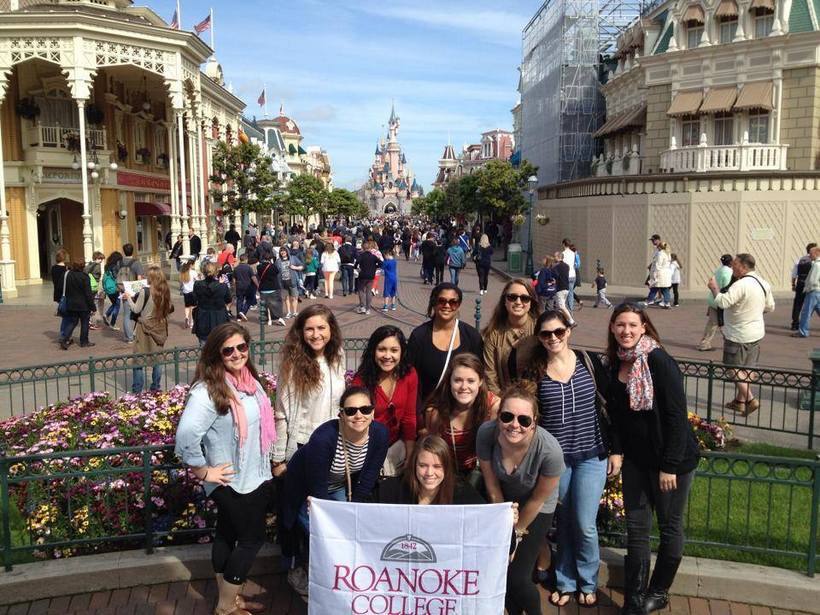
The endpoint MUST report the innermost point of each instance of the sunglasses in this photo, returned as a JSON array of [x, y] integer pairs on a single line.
[[523, 420], [453, 303], [352, 410], [227, 351], [558, 333], [512, 298]]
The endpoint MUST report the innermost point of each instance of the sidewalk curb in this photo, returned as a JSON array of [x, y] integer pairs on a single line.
[[697, 577]]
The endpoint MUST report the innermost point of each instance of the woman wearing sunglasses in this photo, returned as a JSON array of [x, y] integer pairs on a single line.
[[521, 462], [458, 407], [513, 320], [341, 461], [226, 435], [393, 383], [647, 403], [433, 344], [571, 386]]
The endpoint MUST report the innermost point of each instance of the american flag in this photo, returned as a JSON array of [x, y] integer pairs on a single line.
[[175, 21], [203, 25], [261, 99]]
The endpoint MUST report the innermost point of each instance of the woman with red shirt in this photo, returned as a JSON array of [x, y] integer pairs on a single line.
[[394, 384]]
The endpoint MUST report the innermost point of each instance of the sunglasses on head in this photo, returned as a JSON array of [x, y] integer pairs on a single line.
[[523, 419], [512, 298], [453, 303], [228, 351], [558, 333], [352, 410]]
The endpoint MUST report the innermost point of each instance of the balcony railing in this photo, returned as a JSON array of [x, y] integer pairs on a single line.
[[744, 157], [61, 137], [628, 164]]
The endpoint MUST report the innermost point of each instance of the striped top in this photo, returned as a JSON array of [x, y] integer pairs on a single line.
[[355, 455], [568, 412]]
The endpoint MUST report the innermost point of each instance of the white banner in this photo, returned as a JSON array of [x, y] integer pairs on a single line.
[[387, 559]]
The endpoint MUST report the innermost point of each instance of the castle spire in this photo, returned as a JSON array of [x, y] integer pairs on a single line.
[[392, 111]]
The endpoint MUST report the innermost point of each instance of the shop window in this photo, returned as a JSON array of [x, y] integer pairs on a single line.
[[759, 127], [728, 29], [724, 129], [690, 131]]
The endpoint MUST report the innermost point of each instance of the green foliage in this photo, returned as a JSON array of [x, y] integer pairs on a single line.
[[431, 204], [243, 178], [342, 202], [306, 195]]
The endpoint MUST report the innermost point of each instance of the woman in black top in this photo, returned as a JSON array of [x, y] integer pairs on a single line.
[[647, 404], [79, 305], [268, 282], [429, 343], [212, 299], [58, 270]]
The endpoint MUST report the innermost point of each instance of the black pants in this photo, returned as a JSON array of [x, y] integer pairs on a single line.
[[642, 497], [797, 304], [675, 296], [240, 530], [483, 275], [439, 274], [522, 594], [72, 319], [427, 272]]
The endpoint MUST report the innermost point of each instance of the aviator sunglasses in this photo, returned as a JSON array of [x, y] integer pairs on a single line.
[[453, 303], [523, 420], [352, 410], [227, 351], [512, 298]]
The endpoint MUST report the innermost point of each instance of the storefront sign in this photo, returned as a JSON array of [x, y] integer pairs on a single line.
[[370, 559], [56, 175], [137, 180]]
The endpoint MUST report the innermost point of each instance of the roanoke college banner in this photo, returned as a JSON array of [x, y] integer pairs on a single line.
[[385, 559]]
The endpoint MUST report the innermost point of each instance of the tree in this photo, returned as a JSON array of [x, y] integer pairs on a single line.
[[243, 178], [306, 195], [342, 202], [502, 187], [431, 204]]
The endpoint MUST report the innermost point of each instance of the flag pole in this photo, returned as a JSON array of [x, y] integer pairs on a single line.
[[212, 32], [179, 16], [265, 90]]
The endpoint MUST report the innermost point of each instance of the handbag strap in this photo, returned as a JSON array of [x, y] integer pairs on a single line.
[[65, 277], [449, 353]]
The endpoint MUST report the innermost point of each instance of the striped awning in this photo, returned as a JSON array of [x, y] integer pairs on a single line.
[[756, 95], [719, 100], [685, 103], [634, 117], [762, 4], [727, 8], [694, 12]]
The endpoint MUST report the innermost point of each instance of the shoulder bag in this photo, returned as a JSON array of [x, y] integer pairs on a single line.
[[62, 306]]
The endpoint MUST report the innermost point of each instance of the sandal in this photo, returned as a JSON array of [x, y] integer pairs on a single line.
[[560, 598], [737, 405], [750, 406], [588, 601]]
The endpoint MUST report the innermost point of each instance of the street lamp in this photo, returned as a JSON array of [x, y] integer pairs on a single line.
[[532, 181]]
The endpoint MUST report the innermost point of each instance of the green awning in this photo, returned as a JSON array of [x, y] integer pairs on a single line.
[[292, 149], [302, 152]]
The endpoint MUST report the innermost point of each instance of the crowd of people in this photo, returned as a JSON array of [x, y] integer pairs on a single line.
[[450, 415]]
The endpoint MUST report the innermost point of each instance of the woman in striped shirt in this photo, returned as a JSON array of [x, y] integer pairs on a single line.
[[570, 385]]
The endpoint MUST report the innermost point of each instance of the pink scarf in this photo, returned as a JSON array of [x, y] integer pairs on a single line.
[[267, 428], [639, 381]]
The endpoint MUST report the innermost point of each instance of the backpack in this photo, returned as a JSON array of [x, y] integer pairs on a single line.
[[109, 283], [94, 284], [124, 273]]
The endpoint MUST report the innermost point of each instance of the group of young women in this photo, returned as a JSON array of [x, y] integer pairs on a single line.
[[450, 416]]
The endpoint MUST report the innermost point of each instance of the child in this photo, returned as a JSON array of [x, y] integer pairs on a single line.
[[311, 268], [676, 267], [375, 252], [187, 276], [391, 281], [600, 285]]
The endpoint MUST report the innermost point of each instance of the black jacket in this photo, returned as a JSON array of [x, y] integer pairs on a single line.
[[78, 295], [395, 490], [367, 264], [211, 298]]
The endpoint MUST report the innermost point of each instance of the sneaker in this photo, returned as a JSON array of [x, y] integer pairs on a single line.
[[94, 327], [394, 308], [254, 307], [105, 320], [270, 322], [87, 345], [288, 315], [280, 321], [367, 312], [384, 308], [298, 581], [243, 317], [360, 310]]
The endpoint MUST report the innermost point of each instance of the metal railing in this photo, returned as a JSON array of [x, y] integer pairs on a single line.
[[761, 509], [741, 157], [59, 504]]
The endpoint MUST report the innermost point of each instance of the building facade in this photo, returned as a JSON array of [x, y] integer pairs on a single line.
[[391, 185], [712, 140], [495, 144], [107, 126]]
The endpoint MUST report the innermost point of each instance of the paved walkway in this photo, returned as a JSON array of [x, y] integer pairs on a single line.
[[198, 597]]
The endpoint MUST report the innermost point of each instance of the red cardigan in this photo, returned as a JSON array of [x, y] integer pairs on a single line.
[[402, 424]]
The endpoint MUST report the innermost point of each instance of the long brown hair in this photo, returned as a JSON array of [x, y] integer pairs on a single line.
[[612, 344], [499, 320], [211, 370], [540, 359], [442, 398], [299, 367], [438, 447], [160, 293]]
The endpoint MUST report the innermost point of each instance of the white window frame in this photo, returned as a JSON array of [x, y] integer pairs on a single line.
[[723, 129], [692, 29], [759, 125], [687, 124], [727, 30], [763, 23]]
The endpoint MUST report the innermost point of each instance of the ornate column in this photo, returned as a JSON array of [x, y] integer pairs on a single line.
[[88, 239], [203, 183], [176, 229], [183, 201], [192, 167], [7, 273]]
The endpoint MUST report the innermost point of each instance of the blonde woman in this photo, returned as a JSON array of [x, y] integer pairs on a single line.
[[330, 266], [152, 305], [188, 276]]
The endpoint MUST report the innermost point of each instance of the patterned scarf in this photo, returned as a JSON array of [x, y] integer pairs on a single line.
[[639, 381], [267, 428]]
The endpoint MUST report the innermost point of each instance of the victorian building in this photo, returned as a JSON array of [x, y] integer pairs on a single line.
[[495, 144], [391, 185], [108, 125], [711, 139]]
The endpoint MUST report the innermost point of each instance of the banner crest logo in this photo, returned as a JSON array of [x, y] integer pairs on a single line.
[[408, 548]]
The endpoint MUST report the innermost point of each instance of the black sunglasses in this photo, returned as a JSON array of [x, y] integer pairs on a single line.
[[559, 333], [523, 420], [441, 301], [512, 298], [352, 410], [227, 351]]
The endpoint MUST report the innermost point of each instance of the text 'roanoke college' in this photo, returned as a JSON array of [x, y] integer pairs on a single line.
[[427, 581]]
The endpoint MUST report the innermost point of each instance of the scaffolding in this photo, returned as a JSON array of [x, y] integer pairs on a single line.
[[561, 107]]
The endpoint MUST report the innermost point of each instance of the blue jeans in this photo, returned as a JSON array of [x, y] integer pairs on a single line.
[[454, 275], [304, 520], [579, 495], [811, 305], [127, 323], [245, 299], [114, 309], [348, 280], [139, 379], [571, 295]]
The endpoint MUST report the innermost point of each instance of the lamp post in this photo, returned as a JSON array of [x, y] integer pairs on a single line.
[[532, 181]]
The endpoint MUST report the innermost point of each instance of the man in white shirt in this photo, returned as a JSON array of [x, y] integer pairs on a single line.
[[568, 256], [811, 291], [743, 303]]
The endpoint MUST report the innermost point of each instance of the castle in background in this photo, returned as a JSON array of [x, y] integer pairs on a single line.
[[391, 185]]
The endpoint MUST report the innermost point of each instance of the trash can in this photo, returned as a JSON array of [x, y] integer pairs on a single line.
[[514, 258]]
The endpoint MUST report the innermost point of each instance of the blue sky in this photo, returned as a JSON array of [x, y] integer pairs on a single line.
[[337, 64]]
